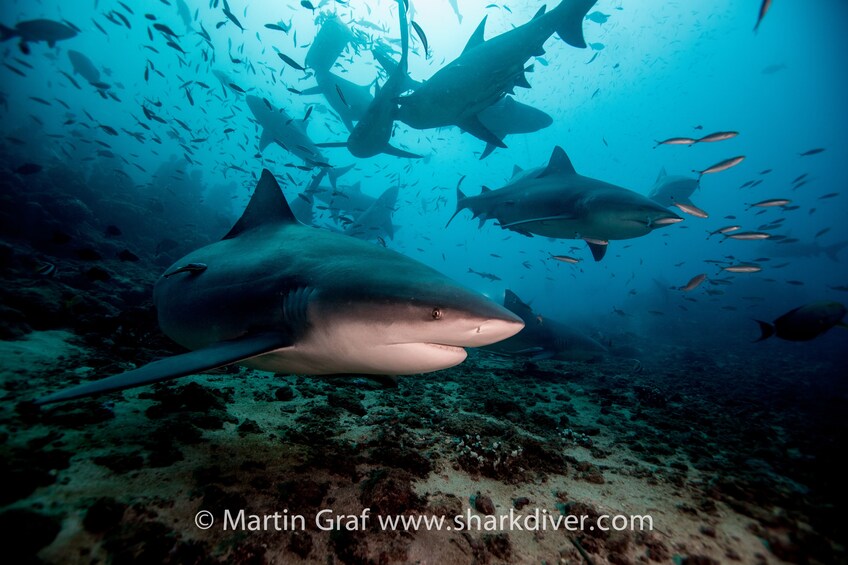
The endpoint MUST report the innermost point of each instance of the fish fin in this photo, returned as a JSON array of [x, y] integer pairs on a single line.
[[311, 90], [598, 251], [521, 81], [516, 170], [335, 172], [766, 329], [487, 151], [266, 139], [475, 127], [460, 197], [662, 174], [214, 356], [570, 25], [7, 33], [267, 205], [476, 37], [540, 12], [396, 152], [559, 164], [484, 189]]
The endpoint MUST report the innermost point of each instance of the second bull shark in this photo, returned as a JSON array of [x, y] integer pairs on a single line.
[[556, 201]]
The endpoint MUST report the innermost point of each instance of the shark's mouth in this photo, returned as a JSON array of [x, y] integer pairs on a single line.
[[451, 348]]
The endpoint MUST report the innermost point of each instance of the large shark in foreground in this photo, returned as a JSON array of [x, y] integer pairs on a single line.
[[487, 70], [543, 338], [555, 201], [279, 296]]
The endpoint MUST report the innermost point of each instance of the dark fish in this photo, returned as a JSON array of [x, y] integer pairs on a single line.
[[28, 169], [292, 63], [812, 151], [422, 37], [805, 322], [341, 96], [108, 129], [763, 9], [307, 4], [308, 111], [165, 29]]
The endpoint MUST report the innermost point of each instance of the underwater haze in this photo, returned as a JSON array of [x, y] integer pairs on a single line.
[[652, 192]]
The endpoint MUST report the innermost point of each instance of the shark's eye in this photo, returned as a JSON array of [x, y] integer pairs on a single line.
[[437, 313]]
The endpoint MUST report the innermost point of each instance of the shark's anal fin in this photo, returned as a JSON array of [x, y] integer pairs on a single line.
[[214, 356], [598, 250]]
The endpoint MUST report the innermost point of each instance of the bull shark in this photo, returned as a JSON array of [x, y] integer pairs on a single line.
[[505, 117], [543, 338], [33, 31], [556, 201], [670, 190], [486, 70], [276, 295], [290, 134], [377, 219]]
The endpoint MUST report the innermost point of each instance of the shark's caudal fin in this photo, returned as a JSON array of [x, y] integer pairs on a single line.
[[214, 356], [267, 205], [569, 20], [336, 172], [767, 330], [7, 33], [460, 199]]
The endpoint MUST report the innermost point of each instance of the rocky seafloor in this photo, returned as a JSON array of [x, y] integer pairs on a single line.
[[737, 455]]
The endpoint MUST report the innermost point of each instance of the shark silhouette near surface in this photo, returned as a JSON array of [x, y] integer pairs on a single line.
[[555, 201], [280, 296], [487, 70]]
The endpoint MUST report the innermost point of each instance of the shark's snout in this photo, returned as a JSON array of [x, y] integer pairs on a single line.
[[496, 328]]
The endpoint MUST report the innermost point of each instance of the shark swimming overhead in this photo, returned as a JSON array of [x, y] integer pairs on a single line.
[[280, 128], [556, 201], [487, 70], [376, 220], [543, 338], [279, 296]]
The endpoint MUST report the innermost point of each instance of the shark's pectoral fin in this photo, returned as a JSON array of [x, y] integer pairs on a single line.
[[396, 152], [212, 357], [266, 139], [475, 127], [487, 151], [598, 249], [311, 90]]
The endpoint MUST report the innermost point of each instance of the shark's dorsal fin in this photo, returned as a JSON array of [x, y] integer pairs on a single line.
[[266, 206], [476, 37], [662, 174], [559, 164], [541, 12], [516, 170], [485, 189]]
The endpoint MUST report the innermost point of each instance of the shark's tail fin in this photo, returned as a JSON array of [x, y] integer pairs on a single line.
[[7, 33], [832, 251], [335, 172], [766, 329], [570, 15], [460, 201]]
